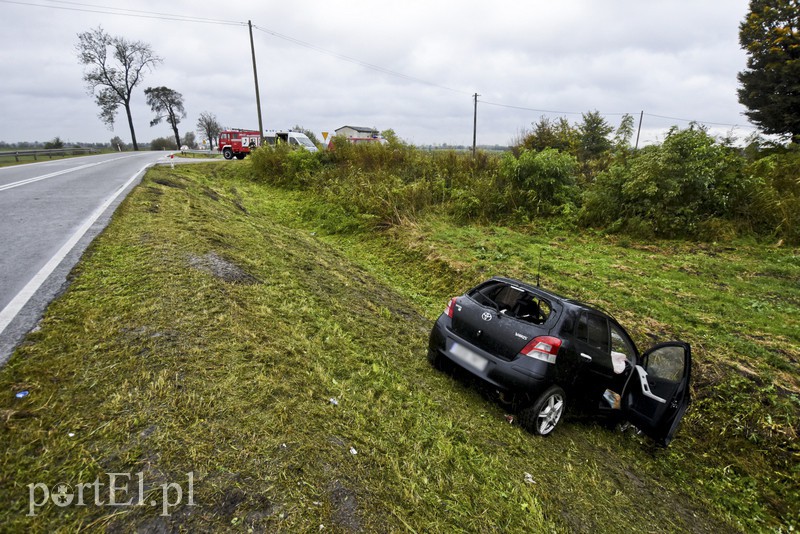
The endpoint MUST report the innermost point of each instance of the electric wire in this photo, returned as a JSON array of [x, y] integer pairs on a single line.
[[107, 10], [551, 112], [356, 61]]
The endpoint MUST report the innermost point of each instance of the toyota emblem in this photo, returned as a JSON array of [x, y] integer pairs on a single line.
[[486, 316]]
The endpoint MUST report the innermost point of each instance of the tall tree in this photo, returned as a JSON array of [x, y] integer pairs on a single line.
[[770, 85], [167, 104], [593, 132], [114, 66], [208, 126]]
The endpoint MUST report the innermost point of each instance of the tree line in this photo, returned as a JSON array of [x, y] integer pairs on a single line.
[[113, 67]]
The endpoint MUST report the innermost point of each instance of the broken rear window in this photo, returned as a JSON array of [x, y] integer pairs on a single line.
[[513, 301]]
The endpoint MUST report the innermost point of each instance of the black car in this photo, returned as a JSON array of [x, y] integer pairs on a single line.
[[540, 349]]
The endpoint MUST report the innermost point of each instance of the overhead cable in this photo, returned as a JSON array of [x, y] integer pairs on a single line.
[[106, 10], [356, 61]]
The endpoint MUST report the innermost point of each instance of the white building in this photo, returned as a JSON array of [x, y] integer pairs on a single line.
[[358, 132]]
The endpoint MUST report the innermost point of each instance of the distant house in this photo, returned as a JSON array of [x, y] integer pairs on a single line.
[[358, 132]]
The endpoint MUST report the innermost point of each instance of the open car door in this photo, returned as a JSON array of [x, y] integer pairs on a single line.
[[657, 395]]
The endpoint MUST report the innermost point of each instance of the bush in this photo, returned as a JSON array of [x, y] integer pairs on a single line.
[[689, 186], [163, 143], [543, 183], [775, 202], [285, 166], [670, 190]]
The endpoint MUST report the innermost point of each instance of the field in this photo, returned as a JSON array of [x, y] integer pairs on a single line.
[[255, 340]]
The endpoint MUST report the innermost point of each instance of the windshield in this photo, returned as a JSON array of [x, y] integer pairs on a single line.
[[303, 140]]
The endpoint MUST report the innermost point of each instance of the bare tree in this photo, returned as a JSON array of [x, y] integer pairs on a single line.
[[114, 66], [208, 125], [167, 104]]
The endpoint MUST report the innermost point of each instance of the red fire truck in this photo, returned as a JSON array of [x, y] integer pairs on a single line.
[[238, 142]]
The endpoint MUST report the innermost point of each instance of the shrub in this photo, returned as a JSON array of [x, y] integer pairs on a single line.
[[286, 166], [541, 182], [669, 190], [775, 200], [163, 143]]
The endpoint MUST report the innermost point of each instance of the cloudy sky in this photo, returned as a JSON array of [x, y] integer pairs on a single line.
[[412, 66]]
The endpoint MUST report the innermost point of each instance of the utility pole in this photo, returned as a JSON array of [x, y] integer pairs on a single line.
[[475, 123], [255, 77], [641, 116]]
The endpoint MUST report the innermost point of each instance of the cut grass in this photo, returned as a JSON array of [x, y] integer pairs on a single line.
[[209, 327]]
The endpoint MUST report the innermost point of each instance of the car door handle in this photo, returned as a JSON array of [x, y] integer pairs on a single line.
[[586, 357], [646, 385]]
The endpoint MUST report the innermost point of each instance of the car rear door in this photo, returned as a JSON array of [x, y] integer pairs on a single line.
[[657, 394], [591, 341]]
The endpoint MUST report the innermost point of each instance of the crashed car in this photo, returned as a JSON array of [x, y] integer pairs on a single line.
[[546, 352]]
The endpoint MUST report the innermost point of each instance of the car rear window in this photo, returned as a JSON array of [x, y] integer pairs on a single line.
[[513, 301]]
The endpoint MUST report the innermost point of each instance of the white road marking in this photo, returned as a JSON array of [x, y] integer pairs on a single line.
[[57, 173], [21, 299]]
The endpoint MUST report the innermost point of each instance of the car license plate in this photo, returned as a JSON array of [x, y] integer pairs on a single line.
[[469, 357]]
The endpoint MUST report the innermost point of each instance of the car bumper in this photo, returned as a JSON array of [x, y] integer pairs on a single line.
[[520, 375]]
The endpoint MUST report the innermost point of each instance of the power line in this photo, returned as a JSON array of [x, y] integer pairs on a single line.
[[615, 114], [698, 121], [542, 110], [105, 10], [356, 61], [94, 8]]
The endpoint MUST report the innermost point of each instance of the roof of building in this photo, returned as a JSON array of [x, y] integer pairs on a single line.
[[358, 129]]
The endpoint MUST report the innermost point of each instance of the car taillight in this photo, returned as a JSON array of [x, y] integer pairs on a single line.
[[543, 348], [450, 307]]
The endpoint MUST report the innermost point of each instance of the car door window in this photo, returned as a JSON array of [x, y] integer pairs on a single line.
[[593, 330], [667, 363], [622, 352]]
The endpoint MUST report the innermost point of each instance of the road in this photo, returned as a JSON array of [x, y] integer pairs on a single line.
[[49, 213]]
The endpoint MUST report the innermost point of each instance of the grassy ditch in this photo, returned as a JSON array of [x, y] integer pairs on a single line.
[[218, 327]]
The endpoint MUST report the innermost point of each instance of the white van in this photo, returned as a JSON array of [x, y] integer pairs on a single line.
[[288, 136]]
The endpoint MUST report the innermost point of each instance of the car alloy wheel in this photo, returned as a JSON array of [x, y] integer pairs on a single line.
[[544, 415]]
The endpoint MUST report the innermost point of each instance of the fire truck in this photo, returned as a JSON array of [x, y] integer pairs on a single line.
[[238, 142]]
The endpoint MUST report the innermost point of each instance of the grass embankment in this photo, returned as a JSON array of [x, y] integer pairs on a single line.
[[212, 323]]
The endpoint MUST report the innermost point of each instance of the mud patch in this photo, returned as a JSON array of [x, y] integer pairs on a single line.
[[210, 193], [345, 507], [222, 269], [169, 183]]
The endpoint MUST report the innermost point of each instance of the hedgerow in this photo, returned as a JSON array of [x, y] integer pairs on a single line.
[[690, 186]]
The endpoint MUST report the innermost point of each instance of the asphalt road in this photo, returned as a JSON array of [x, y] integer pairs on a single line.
[[49, 213]]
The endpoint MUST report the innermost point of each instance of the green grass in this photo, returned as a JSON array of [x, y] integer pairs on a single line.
[[209, 326], [7, 161]]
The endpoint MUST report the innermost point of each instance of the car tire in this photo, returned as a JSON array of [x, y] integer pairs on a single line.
[[543, 416], [227, 153]]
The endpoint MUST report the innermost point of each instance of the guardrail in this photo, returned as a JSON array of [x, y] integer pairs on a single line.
[[50, 152], [200, 151]]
